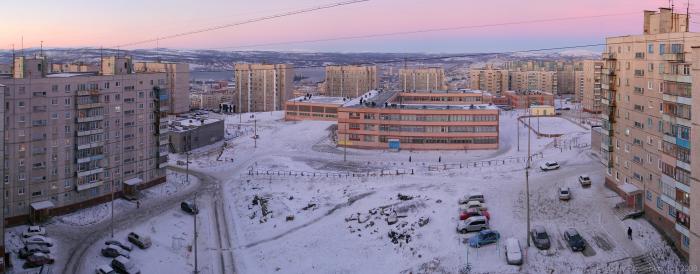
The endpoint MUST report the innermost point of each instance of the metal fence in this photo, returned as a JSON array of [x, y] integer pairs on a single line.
[[319, 174], [484, 163]]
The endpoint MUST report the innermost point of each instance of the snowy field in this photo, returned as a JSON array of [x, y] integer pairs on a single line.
[[298, 213], [286, 202]]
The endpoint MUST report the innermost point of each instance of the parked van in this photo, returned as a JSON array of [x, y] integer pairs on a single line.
[[475, 223], [514, 254]]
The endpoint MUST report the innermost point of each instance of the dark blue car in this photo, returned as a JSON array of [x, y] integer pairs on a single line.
[[484, 237], [574, 239]]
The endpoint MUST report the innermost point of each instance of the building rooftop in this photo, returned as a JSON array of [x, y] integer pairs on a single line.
[[387, 99], [69, 74], [320, 100], [185, 124], [529, 92]]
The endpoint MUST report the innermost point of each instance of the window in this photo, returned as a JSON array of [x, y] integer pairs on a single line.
[[54, 115], [54, 101], [662, 48], [659, 203], [648, 195], [672, 211], [650, 85], [686, 241], [650, 48], [20, 191], [20, 104]]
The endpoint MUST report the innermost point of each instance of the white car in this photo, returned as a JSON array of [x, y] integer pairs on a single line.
[[514, 255], [476, 196], [33, 231], [564, 193], [549, 166], [105, 269], [585, 180], [38, 240], [474, 204]]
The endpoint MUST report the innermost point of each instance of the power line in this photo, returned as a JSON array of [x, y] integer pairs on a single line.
[[258, 19], [428, 30]]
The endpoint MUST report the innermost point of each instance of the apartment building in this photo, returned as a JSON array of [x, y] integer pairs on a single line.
[[566, 74], [541, 80], [2, 174], [212, 100], [263, 87], [591, 92], [178, 82], [77, 67], [379, 120], [350, 81], [421, 79], [647, 122], [71, 139], [489, 79], [579, 79]]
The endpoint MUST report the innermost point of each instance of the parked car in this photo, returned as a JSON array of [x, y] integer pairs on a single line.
[[471, 212], [472, 197], [514, 254], [564, 193], [113, 251], [39, 240], [142, 242], [585, 180], [189, 207], [105, 269], [31, 249], [484, 237], [474, 204], [123, 265], [546, 166], [475, 223], [540, 237], [38, 259], [34, 230], [127, 247], [574, 240]]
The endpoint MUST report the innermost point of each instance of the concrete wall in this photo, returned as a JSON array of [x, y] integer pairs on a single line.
[[186, 140]]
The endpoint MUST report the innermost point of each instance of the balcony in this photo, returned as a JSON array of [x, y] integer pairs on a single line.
[[608, 71], [678, 78], [91, 145], [89, 105], [90, 92], [91, 118], [609, 55], [90, 158], [91, 172], [674, 57], [85, 186], [39, 108], [89, 132]]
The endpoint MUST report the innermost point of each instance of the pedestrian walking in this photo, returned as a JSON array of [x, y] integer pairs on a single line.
[[409, 159], [440, 159], [138, 204], [629, 233]]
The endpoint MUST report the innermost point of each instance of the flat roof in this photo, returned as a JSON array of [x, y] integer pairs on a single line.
[[320, 99], [42, 205], [185, 124], [383, 99], [69, 74]]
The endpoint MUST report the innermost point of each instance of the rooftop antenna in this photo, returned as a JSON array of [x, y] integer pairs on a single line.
[[41, 48], [22, 45]]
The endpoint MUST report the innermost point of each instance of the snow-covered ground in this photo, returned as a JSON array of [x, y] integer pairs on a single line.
[[306, 210], [315, 224]]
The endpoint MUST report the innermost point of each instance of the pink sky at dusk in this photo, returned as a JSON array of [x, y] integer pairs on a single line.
[[79, 23]]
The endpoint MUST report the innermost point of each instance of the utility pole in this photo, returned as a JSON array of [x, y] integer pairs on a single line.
[[187, 167], [527, 186], [345, 144], [112, 208], [255, 132], [196, 269], [517, 123]]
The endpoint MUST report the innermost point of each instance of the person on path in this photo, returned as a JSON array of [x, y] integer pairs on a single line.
[[629, 233], [138, 204], [409, 159]]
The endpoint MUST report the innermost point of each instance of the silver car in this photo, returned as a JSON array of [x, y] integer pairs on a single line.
[[475, 223], [564, 193]]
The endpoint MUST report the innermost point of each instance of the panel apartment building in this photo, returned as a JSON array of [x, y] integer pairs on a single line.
[[489, 79], [541, 80], [70, 137], [589, 92], [350, 81], [422, 79], [178, 81], [648, 126], [262, 87]]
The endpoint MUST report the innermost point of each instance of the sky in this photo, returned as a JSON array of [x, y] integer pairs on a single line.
[[83, 23]]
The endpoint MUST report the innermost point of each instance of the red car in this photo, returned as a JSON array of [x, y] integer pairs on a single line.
[[469, 212]]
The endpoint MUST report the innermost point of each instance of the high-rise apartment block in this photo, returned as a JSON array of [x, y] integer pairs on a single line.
[[350, 81], [540, 80], [590, 91], [566, 78], [422, 79], [647, 82], [71, 139], [263, 87], [178, 82], [489, 79]]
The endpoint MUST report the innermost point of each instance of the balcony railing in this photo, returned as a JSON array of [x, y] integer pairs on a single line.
[[609, 55], [674, 57], [677, 89]]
